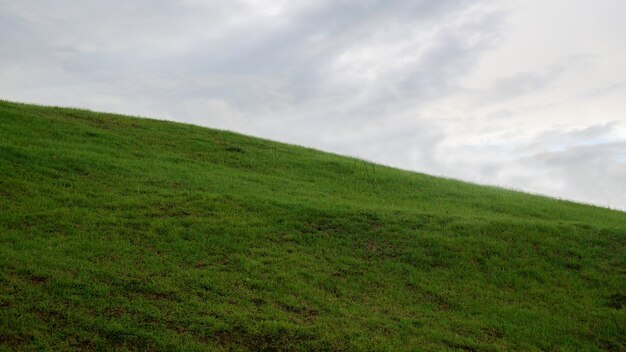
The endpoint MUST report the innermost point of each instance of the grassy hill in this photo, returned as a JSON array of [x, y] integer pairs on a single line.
[[136, 234]]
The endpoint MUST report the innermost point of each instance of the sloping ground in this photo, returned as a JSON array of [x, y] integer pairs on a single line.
[[118, 232]]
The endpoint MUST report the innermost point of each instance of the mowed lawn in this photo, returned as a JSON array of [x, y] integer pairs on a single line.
[[136, 234]]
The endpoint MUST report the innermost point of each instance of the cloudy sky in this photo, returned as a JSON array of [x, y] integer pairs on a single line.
[[526, 94]]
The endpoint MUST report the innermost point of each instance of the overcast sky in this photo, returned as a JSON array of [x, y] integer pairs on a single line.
[[526, 94]]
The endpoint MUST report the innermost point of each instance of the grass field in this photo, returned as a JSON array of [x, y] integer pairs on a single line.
[[136, 234]]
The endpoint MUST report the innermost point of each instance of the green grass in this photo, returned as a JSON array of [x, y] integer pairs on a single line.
[[136, 234]]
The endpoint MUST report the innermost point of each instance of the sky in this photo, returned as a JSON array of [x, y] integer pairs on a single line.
[[523, 94]]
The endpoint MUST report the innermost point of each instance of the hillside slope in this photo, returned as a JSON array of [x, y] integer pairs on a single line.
[[136, 234]]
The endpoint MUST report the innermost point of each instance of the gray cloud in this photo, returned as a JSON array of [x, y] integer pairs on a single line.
[[587, 164], [433, 86]]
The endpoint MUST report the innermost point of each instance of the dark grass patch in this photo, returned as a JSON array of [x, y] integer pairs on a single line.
[[14, 341], [617, 301], [36, 280], [234, 149]]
